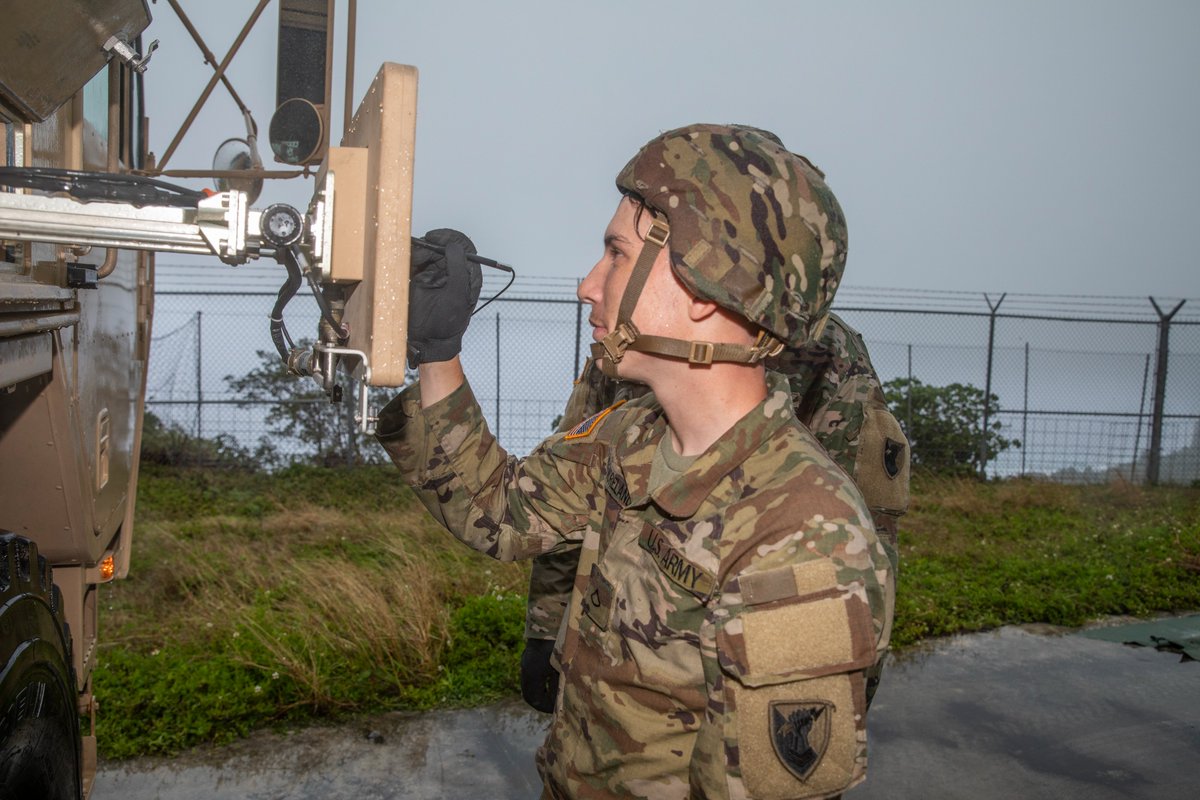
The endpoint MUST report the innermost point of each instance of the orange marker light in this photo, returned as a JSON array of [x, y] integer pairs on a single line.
[[108, 568]]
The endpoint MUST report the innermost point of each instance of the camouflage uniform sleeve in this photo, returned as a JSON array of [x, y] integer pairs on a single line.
[[786, 649], [552, 575], [502, 506]]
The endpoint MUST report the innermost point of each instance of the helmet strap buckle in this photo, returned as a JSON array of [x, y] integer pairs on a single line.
[[658, 234], [765, 346], [616, 343], [700, 353]]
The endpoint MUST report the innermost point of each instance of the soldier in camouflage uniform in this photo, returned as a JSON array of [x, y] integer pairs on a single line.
[[731, 591], [837, 395]]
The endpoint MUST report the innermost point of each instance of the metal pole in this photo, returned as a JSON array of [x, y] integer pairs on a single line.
[[327, 111], [987, 389], [351, 30], [1137, 437], [1025, 414], [209, 58], [199, 385], [497, 374], [909, 392], [1160, 388]]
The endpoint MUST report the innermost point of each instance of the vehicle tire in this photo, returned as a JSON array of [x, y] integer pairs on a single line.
[[40, 748]]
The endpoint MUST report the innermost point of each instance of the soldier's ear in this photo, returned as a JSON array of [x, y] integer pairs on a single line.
[[700, 309]]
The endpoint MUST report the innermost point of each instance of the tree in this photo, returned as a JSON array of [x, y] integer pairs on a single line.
[[946, 423], [300, 410], [169, 444]]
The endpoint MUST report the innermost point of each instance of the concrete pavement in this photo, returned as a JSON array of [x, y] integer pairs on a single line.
[[1015, 713]]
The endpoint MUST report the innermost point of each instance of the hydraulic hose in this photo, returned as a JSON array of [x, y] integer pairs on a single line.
[[279, 335]]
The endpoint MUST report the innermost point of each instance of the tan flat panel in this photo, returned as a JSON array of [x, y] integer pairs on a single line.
[[346, 168], [377, 308]]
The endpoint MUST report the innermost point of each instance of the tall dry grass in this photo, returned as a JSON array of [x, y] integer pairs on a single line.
[[313, 590]]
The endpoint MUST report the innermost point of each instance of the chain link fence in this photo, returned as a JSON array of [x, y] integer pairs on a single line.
[[1085, 389]]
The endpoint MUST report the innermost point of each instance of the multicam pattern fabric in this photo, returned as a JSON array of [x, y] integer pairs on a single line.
[[553, 574], [773, 254], [832, 384], [673, 665]]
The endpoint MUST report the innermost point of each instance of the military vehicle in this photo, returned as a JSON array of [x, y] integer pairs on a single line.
[[83, 209]]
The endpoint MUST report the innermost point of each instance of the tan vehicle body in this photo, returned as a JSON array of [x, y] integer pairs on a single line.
[[75, 325], [72, 358]]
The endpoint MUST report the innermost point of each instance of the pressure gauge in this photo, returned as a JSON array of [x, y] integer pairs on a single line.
[[282, 225]]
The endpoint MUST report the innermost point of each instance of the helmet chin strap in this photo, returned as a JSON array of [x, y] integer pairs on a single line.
[[625, 336]]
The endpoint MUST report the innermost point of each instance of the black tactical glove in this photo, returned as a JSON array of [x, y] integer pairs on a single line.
[[539, 678], [442, 293]]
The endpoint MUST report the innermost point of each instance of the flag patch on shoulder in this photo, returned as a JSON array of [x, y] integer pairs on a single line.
[[586, 427]]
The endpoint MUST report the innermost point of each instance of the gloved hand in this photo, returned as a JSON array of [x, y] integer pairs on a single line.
[[442, 293], [539, 678]]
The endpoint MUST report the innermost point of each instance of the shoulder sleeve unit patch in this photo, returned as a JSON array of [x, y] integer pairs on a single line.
[[585, 428]]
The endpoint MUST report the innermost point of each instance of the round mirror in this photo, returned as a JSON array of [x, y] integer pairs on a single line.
[[297, 132], [237, 154]]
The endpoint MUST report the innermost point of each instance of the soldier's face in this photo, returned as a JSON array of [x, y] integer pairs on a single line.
[[604, 285]]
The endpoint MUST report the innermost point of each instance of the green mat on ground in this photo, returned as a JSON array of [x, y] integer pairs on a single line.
[[1173, 634]]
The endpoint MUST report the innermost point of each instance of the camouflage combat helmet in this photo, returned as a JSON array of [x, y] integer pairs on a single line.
[[749, 225]]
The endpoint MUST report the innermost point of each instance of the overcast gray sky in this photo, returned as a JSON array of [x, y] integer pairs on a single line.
[[1012, 146]]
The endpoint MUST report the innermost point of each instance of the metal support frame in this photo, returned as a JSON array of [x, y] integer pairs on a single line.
[[578, 322], [1137, 436], [1025, 413], [351, 35], [209, 58], [987, 389], [221, 224], [1160, 389], [212, 82]]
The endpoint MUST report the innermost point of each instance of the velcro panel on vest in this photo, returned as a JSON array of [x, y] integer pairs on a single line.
[[797, 648], [817, 629], [881, 466], [781, 583]]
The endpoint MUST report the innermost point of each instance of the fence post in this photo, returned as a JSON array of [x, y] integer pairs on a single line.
[[199, 386], [909, 392], [497, 374], [987, 389], [1160, 388], [1137, 436], [1025, 414], [578, 322]]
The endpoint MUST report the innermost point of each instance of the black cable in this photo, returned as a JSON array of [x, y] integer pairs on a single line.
[[338, 328], [136, 190], [290, 254], [512, 276], [478, 259], [279, 334]]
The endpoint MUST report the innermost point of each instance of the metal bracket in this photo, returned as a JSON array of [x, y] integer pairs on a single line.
[[362, 373], [117, 46], [223, 221], [320, 230]]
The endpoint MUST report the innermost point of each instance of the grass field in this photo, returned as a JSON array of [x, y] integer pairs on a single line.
[[256, 599]]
